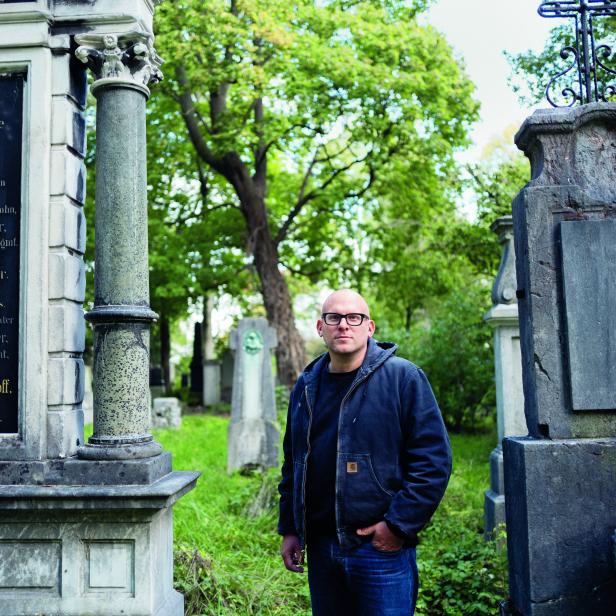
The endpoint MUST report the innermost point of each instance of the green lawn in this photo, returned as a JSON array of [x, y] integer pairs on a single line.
[[227, 559]]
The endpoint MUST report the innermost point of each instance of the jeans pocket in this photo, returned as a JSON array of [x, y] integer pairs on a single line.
[[386, 552]]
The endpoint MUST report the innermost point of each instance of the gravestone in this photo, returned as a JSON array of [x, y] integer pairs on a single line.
[[157, 382], [226, 375], [510, 420], [211, 382], [559, 481], [85, 528], [166, 413], [196, 363], [211, 366], [253, 431]]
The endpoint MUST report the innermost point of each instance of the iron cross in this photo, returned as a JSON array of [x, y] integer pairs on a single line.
[[588, 58]]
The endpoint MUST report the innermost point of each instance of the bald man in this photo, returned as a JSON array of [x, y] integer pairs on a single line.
[[366, 463]]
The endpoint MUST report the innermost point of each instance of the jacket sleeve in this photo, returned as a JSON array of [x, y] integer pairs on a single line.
[[286, 523], [426, 460]]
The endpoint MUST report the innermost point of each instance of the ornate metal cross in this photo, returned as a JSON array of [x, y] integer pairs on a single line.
[[588, 58]]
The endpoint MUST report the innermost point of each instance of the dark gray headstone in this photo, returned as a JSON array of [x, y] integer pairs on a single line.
[[196, 364], [156, 376], [227, 375]]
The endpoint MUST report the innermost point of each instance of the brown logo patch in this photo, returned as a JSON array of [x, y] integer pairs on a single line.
[[351, 467]]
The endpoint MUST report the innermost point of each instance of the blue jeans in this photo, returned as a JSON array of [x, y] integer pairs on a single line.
[[362, 581]]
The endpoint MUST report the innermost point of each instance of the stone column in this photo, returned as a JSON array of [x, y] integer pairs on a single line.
[[503, 318], [559, 481], [123, 66]]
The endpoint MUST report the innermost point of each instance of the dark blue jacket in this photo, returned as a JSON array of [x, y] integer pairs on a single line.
[[393, 454]]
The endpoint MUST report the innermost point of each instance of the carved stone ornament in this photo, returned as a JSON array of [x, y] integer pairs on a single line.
[[127, 59], [504, 289]]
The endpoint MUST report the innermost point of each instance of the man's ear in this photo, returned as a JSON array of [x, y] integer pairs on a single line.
[[320, 327], [371, 328]]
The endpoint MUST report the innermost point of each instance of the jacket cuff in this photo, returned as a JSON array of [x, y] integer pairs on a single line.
[[395, 530]]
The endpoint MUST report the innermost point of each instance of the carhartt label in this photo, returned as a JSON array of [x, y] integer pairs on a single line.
[[351, 467]]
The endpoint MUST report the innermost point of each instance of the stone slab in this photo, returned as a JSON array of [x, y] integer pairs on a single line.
[[560, 504], [158, 495], [166, 413], [588, 249]]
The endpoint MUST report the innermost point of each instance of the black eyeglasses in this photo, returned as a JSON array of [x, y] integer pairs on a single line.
[[355, 319]]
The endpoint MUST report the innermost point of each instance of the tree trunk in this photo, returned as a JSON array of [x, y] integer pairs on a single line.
[[165, 352]]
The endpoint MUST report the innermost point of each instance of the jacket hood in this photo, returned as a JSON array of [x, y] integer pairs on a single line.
[[377, 353]]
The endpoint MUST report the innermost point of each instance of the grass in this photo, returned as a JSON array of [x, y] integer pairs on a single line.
[[227, 551]]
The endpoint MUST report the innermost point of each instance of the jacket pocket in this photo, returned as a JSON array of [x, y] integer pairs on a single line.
[[362, 497]]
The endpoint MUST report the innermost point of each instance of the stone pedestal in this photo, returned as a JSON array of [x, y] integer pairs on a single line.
[[559, 482], [80, 550], [510, 420], [560, 518], [253, 432]]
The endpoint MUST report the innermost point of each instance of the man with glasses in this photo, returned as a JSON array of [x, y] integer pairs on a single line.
[[367, 460]]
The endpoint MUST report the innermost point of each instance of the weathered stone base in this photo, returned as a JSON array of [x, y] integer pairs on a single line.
[[494, 505], [88, 550], [253, 443], [561, 504]]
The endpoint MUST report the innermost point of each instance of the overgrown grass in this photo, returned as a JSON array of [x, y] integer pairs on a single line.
[[227, 552]]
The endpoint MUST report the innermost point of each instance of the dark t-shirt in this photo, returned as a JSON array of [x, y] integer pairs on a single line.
[[321, 474]]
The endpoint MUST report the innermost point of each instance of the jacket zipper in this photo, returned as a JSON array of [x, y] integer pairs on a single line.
[[306, 462], [353, 387]]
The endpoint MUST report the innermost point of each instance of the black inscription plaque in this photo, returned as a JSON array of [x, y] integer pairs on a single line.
[[11, 113]]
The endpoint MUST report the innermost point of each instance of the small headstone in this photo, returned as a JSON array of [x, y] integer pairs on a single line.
[[211, 382], [253, 431], [196, 364], [157, 382], [226, 369], [166, 413]]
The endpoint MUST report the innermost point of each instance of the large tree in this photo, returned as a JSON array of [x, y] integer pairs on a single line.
[[295, 111]]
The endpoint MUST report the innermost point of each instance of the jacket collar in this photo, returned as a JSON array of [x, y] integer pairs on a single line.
[[376, 354]]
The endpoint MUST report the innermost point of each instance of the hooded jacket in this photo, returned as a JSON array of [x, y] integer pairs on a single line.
[[393, 453]]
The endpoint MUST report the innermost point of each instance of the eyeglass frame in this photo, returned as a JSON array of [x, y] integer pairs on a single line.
[[363, 316]]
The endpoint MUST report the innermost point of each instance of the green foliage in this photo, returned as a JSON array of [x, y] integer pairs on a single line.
[[336, 97], [460, 572], [227, 558], [455, 351]]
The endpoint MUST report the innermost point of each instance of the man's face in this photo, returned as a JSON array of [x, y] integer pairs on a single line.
[[343, 338]]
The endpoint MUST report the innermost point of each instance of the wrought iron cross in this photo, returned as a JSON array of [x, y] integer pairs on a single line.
[[588, 58]]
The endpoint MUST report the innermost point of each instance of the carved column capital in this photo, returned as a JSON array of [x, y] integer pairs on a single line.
[[126, 60]]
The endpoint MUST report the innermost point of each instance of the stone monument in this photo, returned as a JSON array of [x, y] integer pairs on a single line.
[[226, 375], [196, 363], [211, 366], [253, 432], [559, 481], [510, 420], [166, 413], [85, 528]]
